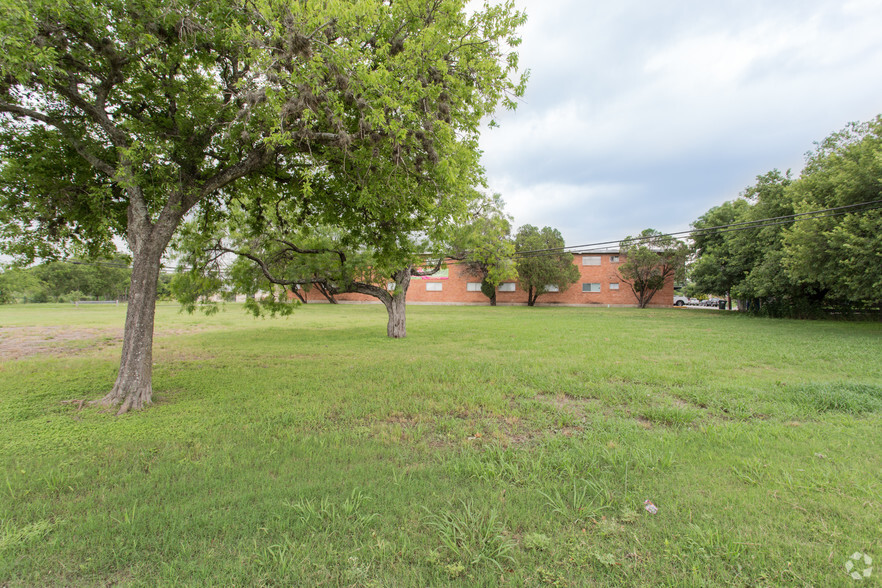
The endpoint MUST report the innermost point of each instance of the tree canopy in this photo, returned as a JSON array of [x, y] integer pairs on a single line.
[[542, 262], [483, 245], [819, 261], [354, 113], [651, 259]]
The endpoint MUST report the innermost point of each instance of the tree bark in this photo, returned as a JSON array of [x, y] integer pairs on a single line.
[[395, 303], [133, 389], [396, 328], [324, 291]]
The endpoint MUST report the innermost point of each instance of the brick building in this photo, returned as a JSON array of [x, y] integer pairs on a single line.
[[599, 285]]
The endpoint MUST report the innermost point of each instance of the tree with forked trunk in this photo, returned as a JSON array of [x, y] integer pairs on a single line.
[[122, 120]]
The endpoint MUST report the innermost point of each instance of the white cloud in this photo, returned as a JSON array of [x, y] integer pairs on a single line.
[[644, 103]]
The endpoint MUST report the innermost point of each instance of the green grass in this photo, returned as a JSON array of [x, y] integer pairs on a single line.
[[493, 446]]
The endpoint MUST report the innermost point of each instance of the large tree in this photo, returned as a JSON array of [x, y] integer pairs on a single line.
[[651, 259], [750, 258], [840, 255], [542, 262], [154, 111]]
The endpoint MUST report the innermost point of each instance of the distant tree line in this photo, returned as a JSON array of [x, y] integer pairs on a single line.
[[807, 267], [70, 281]]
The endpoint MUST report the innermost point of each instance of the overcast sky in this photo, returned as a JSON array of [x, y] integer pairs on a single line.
[[646, 114]]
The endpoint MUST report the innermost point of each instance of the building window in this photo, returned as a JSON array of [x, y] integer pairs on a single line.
[[590, 260], [433, 286], [613, 285], [507, 287], [390, 286], [614, 259], [551, 288], [590, 287], [473, 286]]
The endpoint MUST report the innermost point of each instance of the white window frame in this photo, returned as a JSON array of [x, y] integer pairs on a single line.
[[613, 285], [614, 259], [551, 288], [507, 287], [434, 286], [590, 287], [473, 286], [590, 260]]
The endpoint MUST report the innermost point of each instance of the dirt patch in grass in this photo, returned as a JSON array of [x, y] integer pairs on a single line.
[[562, 401], [23, 342]]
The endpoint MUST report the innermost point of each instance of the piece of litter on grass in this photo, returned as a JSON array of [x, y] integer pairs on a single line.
[[650, 507]]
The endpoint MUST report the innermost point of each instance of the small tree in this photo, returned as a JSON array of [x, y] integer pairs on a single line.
[[651, 259], [282, 265], [542, 262], [484, 246]]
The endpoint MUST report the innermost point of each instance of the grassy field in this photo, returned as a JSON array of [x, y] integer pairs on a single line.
[[493, 446]]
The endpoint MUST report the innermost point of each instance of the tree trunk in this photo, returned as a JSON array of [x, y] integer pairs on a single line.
[[531, 299], [326, 294], [397, 325], [395, 303], [493, 299], [133, 388]]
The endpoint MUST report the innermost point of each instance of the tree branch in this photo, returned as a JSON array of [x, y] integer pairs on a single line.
[[297, 249], [431, 272], [256, 158], [78, 145]]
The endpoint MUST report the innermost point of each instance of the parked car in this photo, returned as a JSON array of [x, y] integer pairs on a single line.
[[713, 301], [684, 300]]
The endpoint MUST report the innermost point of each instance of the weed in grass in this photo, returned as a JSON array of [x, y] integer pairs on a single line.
[[838, 397], [281, 561], [324, 514], [129, 516], [609, 527], [536, 542], [672, 416], [472, 536], [357, 572], [12, 537], [709, 543], [750, 471], [58, 480], [495, 462], [546, 577], [629, 516], [454, 570], [586, 501]]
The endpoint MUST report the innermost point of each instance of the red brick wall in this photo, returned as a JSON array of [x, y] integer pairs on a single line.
[[454, 289]]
